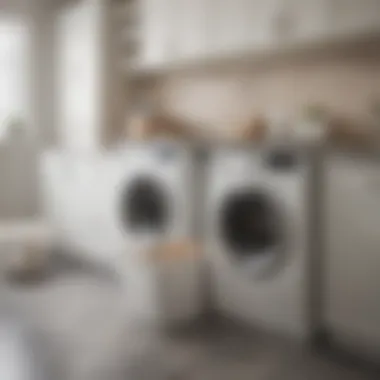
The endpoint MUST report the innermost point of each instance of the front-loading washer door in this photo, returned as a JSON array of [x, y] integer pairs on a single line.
[[145, 205], [252, 232]]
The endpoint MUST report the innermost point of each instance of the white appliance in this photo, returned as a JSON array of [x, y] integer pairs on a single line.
[[257, 236], [351, 264], [149, 195], [148, 192], [115, 206]]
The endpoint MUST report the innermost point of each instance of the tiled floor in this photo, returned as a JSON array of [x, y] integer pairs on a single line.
[[87, 333]]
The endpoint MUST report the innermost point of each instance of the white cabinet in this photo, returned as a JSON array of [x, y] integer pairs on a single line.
[[241, 25], [353, 17], [190, 28], [227, 26], [307, 20], [263, 28], [156, 38], [352, 260], [256, 26], [326, 20], [178, 31], [172, 30]]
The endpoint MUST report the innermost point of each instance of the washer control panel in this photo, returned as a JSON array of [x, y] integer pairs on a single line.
[[166, 153], [282, 159]]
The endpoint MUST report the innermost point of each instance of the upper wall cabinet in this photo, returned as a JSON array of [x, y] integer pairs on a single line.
[[182, 31], [353, 17], [154, 36], [238, 25], [301, 20], [172, 30], [326, 20], [249, 26], [190, 28]]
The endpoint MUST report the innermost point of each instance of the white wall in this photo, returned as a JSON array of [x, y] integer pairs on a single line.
[[19, 172], [19, 185]]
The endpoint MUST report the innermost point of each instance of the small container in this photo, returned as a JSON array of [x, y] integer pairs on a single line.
[[256, 130], [176, 268]]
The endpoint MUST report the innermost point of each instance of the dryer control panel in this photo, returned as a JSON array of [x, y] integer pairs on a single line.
[[166, 153], [282, 159]]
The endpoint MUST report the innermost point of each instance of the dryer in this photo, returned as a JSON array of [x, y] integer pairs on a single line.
[[351, 265], [257, 236], [106, 203], [148, 193], [149, 196]]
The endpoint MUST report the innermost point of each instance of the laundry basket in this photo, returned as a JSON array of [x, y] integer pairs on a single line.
[[175, 268]]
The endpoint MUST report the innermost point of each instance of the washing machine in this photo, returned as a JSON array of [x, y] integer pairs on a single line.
[[149, 193], [351, 260], [150, 196], [257, 236]]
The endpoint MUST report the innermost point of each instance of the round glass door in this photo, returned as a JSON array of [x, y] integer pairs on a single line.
[[144, 206], [250, 225]]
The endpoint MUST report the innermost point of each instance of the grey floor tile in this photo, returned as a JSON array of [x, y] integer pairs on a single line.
[[87, 322]]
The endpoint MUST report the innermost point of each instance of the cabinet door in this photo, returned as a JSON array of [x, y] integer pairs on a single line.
[[350, 17], [228, 25], [189, 28], [307, 20], [155, 36], [266, 18], [242, 25], [352, 250]]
